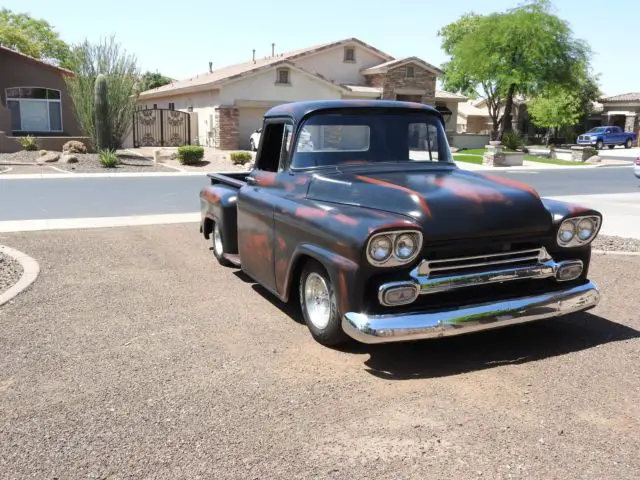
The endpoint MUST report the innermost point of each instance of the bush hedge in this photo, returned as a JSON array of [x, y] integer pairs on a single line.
[[240, 158], [190, 154]]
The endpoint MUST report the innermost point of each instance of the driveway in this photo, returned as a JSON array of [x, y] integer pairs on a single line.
[[134, 355]]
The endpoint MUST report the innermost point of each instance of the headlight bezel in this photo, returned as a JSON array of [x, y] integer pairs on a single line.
[[576, 241], [393, 260]]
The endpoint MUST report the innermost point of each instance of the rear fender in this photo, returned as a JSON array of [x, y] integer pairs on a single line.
[[218, 204]]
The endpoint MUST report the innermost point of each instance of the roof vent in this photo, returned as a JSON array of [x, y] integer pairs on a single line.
[[210, 67], [254, 56], [273, 49]]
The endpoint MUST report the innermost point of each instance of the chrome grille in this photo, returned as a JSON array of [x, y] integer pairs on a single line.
[[465, 265]]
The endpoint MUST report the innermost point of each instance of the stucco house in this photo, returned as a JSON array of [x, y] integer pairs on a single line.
[[473, 119], [230, 101], [621, 110], [34, 101]]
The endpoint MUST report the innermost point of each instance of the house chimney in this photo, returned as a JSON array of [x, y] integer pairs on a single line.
[[210, 67], [254, 55], [273, 49]]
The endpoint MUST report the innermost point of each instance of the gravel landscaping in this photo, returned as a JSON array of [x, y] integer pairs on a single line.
[[90, 163], [22, 156], [10, 272], [616, 244]]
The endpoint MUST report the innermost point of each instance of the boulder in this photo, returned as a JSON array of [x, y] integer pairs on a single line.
[[68, 158], [48, 157], [593, 159]]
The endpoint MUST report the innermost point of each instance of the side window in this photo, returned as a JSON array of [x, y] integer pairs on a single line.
[[608, 130], [275, 144]]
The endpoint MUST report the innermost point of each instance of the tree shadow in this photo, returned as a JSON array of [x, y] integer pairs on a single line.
[[516, 344]]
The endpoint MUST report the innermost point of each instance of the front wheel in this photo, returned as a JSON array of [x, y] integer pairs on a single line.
[[628, 143], [599, 145], [319, 306]]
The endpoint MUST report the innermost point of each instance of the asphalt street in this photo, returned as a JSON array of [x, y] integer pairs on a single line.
[[135, 355], [54, 198]]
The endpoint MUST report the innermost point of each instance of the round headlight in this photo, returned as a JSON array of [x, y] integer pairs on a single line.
[[566, 232], [405, 246], [586, 228], [380, 248]]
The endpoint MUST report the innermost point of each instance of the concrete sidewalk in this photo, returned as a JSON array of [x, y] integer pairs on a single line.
[[621, 211]]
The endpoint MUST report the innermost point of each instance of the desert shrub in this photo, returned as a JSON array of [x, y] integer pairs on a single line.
[[108, 158], [190, 154], [512, 140], [74, 146], [28, 143], [240, 158], [42, 153]]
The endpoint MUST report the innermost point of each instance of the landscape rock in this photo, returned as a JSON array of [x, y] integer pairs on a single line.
[[593, 159], [48, 157], [68, 158]]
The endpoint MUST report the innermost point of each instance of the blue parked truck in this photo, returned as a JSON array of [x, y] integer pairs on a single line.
[[609, 136]]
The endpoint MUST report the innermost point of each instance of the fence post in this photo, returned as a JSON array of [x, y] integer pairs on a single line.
[[161, 128]]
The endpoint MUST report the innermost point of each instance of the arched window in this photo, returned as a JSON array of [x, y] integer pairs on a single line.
[[34, 109]]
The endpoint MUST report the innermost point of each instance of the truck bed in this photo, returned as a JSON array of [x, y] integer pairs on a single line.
[[231, 179]]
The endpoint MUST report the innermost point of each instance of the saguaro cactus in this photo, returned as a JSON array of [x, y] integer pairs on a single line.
[[101, 113]]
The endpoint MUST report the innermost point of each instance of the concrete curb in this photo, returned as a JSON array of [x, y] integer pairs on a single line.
[[30, 272]]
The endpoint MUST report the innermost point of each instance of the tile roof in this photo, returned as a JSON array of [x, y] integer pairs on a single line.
[[232, 71], [450, 96], [625, 97], [383, 67], [36, 60], [468, 109]]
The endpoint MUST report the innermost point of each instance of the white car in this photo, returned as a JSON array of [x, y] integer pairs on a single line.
[[636, 167], [254, 139]]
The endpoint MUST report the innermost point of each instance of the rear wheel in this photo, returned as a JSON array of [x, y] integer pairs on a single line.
[[218, 246], [628, 143], [319, 307]]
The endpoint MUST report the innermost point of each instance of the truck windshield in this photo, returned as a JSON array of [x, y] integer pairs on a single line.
[[332, 139], [596, 130]]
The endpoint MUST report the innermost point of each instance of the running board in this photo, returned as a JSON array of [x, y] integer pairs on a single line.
[[233, 258]]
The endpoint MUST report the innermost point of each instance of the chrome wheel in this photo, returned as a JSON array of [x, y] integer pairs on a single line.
[[217, 241], [317, 300]]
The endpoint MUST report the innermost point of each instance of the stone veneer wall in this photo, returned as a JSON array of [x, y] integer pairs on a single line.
[[395, 79], [226, 135], [631, 123]]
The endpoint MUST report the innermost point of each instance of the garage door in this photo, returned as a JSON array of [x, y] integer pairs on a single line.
[[250, 120]]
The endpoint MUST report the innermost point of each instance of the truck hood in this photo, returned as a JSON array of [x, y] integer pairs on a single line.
[[448, 204]]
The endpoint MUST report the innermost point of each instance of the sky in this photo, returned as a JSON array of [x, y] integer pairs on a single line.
[[180, 38]]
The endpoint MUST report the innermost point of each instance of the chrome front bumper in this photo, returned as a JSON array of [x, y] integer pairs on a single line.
[[422, 325]]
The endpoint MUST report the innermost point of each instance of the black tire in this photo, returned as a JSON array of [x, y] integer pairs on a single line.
[[218, 250], [331, 334], [599, 145], [252, 145], [628, 143]]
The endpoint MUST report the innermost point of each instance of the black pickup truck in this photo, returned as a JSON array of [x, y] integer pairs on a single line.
[[356, 210]]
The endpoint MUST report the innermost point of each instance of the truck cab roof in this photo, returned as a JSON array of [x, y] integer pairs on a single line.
[[298, 110]]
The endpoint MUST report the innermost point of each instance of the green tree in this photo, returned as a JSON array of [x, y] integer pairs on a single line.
[[149, 80], [33, 37], [555, 109], [521, 52], [107, 57]]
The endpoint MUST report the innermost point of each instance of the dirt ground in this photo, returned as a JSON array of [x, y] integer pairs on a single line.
[[134, 355]]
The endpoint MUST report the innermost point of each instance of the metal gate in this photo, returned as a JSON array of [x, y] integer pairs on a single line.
[[161, 127]]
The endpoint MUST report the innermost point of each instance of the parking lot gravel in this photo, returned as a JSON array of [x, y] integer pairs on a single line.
[[10, 272], [134, 356]]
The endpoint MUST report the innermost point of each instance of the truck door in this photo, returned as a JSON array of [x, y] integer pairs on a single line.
[[256, 204]]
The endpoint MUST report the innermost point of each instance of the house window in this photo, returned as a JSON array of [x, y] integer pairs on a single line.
[[34, 109], [172, 106], [411, 71], [282, 76], [349, 54], [155, 106]]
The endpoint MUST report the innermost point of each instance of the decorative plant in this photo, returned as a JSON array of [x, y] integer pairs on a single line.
[[190, 154], [101, 102], [512, 140], [240, 158], [108, 158], [28, 143], [74, 146]]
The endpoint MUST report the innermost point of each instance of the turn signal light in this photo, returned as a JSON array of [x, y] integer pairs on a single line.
[[569, 270]]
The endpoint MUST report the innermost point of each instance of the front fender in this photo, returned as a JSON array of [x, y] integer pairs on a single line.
[[341, 271]]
